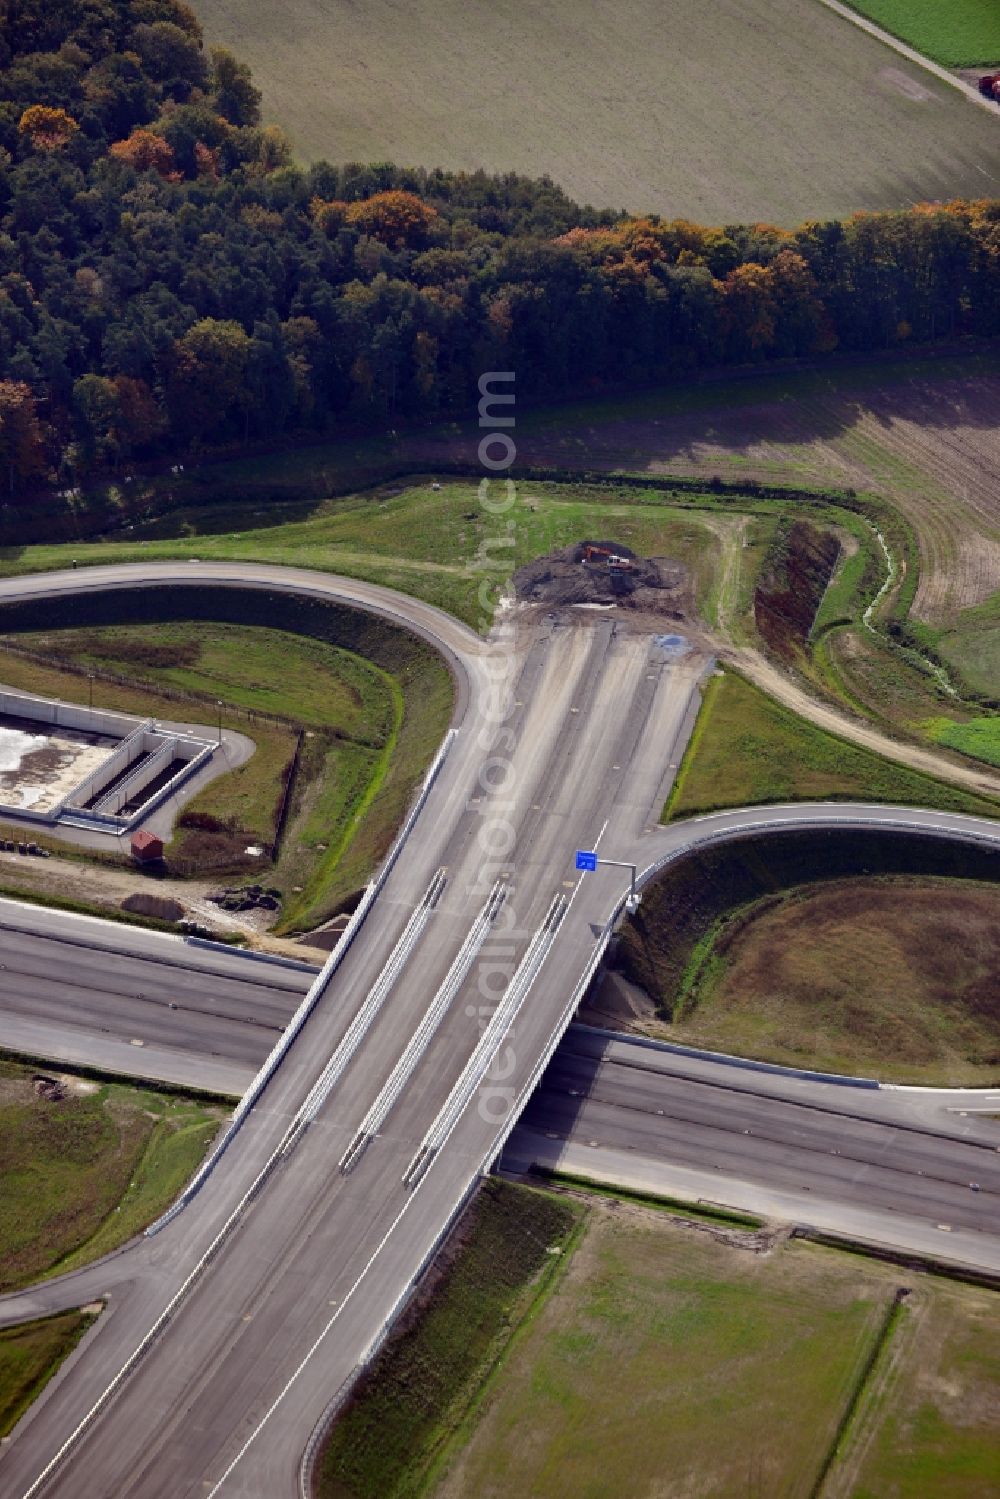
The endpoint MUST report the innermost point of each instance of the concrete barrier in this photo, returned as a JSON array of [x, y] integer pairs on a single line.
[[68, 715]]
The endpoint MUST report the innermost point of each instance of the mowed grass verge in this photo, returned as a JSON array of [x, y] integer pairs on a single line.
[[892, 978], [80, 1176], [959, 33], [29, 1356], [749, 750], [590, 103]]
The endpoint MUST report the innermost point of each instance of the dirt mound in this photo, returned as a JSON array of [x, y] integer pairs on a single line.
[[605, 572], [160, 907]]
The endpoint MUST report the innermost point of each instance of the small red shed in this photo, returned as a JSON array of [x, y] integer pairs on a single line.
[[146, 847]]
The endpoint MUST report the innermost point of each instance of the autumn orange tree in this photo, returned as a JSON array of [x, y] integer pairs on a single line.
[[47, 128], [145, 151], [396, 217]]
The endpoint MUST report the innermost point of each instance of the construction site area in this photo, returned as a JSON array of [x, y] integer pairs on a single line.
[[61, 763], [607, 574]]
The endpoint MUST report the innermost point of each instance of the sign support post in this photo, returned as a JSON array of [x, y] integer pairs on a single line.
[[587, 861]]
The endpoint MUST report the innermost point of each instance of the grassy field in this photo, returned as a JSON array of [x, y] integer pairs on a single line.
[[958, 34], [439, 545], [668, 1361], [269, 671], [971, 650], [408, 1405], [29, 1356], [81, 1176], [748, 749], [895, 978], [565, 90], [979, 738], [931, 1426], [660, 1352]]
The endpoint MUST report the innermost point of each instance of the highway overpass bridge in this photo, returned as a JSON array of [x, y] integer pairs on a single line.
[[404, 1069]]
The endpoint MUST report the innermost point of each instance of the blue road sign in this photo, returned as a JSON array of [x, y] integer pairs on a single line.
[[586, 860]]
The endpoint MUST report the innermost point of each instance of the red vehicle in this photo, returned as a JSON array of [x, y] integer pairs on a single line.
[[989, 87]]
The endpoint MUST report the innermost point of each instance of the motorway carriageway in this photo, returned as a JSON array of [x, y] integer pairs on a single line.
[[608, 1106]]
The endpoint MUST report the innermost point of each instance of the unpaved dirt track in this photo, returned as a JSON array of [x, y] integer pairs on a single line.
[[772, 680]]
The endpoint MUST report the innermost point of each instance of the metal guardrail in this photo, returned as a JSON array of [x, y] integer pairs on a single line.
[[234, 1217], [368, 1012], [489, 1043], [426, 1029], [492, 1153]]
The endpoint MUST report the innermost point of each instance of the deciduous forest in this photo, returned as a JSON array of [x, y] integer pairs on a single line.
[[171, 282]]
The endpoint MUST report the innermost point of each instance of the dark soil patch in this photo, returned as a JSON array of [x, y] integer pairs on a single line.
[[606, 573], [161, 907]]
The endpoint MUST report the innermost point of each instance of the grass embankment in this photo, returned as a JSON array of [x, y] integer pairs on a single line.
[[374, 702], [891, 978], [670, 947], [80, 1176], [748, 750], [418, 1391], [29, 1356], [699, 1211], [439, 545], [959, 34], [930, 1427]]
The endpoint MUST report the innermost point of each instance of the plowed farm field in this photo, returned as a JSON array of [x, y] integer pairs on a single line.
[[740, 110]]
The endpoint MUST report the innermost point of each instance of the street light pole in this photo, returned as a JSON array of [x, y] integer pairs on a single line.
[[219, 706]]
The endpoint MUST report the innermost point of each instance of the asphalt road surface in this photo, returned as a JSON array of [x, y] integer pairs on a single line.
[[892, 1165], [605, 1105], [96, 994], [229, 1332]]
